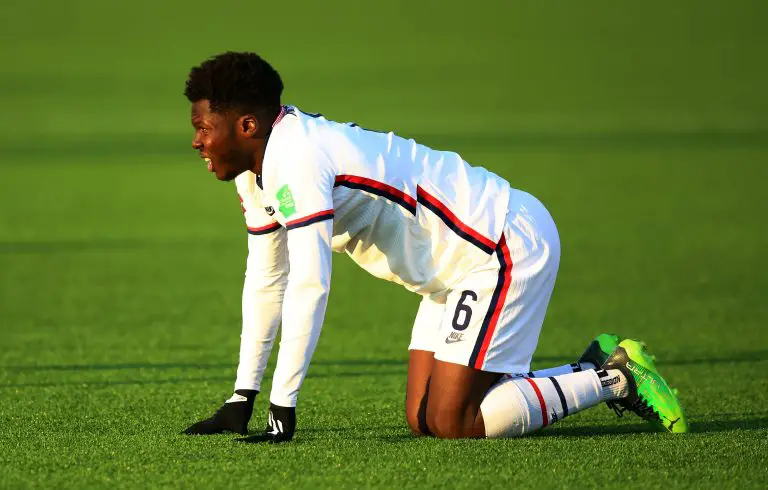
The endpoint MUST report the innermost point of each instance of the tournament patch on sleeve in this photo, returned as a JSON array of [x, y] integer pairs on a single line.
[[285, 198]]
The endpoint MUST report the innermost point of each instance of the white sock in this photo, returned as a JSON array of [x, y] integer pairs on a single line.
[[613, 383], [560, 370], [518, 406]]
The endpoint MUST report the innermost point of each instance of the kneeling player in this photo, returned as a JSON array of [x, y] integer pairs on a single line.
[[483, 255]]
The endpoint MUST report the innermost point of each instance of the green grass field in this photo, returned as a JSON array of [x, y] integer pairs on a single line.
[[643, 127]]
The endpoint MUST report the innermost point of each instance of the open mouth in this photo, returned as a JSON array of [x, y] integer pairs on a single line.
[[210, 165]]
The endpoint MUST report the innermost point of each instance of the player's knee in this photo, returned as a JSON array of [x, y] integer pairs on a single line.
[[416, 418], [446, 423], [413, 423]]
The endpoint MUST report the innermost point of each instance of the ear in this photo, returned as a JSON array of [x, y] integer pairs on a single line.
[[247, 126]]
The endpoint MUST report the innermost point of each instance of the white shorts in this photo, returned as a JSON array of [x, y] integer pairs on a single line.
[[491, 320]]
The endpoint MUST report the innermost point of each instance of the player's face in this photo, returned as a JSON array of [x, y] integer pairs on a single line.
[[216, 140]]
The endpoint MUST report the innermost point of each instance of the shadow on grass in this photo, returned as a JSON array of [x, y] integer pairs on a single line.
[[48, 246], [106, 383], [44, 247], [315, 434], [739, 357], [595, 430], [752, 423], [160, 366], [346, 432], [590, 431], [369, 433]]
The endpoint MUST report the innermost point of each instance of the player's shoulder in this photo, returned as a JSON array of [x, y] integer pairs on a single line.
[[291, 148], [289, 136], [293, 120], [307, 127]]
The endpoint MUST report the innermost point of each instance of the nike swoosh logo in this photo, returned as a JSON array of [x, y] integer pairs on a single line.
[[453, 341]]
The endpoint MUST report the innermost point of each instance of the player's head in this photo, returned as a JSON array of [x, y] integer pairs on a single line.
[[235, 98]]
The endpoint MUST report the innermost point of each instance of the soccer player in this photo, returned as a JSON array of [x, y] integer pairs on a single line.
[[482, 255]]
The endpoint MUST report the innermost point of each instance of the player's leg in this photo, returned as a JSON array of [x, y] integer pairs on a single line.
[[465, 402], [467, 388], [493, 320], [516, 406], [458, 393], [468, 398], [628, 378], [453, 403], [592, 358], [420, 362], [472, 399], [420, 365]]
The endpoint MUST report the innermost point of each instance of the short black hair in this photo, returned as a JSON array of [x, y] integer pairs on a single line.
[[237, 81]]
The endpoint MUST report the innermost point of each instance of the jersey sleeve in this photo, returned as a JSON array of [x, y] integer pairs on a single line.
[[304, 305], [258, 221], [303, 190], [266, 277], [304, 201]]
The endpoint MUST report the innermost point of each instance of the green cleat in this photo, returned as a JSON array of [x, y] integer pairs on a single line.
[[600, 349], [650, 396]]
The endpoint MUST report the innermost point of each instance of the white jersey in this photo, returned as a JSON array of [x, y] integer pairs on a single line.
[[404, 212]]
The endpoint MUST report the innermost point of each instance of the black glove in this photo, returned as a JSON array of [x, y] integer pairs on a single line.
[[231, 417], [280, 427]]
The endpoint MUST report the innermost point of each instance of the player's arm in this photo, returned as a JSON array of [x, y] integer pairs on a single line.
[[304, 305], [265, 281], [266, 277], [304, 195]]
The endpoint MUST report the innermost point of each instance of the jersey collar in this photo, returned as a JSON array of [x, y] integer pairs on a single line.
[[279, 116]]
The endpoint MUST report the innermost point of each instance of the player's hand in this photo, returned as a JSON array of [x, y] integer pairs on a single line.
[[280, 427]]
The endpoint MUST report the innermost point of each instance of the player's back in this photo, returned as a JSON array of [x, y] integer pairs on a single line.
[[403, 211]]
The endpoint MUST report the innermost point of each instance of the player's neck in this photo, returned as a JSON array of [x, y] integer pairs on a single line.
[[258, 155], [261, 142]]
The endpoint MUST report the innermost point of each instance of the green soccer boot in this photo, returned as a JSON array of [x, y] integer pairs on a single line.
[[650, 396], [600, 349]]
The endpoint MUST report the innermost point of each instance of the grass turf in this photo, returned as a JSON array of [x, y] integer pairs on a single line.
[[642, 127]]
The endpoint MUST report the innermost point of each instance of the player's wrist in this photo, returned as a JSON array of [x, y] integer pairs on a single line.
[[281, 425], [249, 394]]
